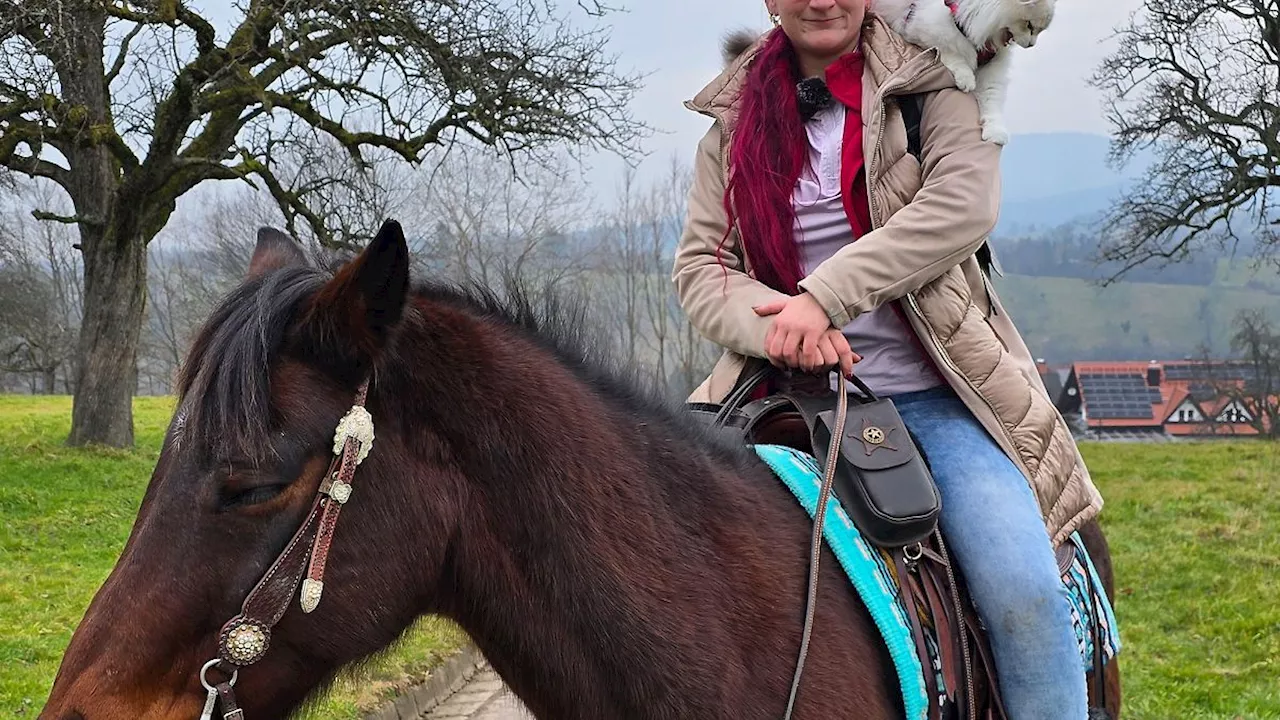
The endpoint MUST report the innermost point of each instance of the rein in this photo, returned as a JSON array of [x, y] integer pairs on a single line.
[[815, 546], [244, 639]]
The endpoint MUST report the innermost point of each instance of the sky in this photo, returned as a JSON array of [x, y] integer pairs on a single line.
[[677, 43]]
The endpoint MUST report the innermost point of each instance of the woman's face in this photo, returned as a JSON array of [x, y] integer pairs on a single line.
[[820, 29]]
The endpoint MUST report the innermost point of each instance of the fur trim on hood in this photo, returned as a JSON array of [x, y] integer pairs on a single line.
[[736, 43]]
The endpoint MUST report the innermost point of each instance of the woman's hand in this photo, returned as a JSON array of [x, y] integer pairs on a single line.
[[801, 336]]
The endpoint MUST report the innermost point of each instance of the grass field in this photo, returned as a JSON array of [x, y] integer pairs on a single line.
[[1193, 528]]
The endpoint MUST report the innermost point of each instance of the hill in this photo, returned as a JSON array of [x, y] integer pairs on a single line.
[[1048, 179], [1067, 319]]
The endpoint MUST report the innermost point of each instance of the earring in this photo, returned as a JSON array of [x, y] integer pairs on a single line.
[[775, 19]]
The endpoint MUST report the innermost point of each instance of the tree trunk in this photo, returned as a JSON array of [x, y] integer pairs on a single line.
[[115, 283], [50, 386], [113, 248]]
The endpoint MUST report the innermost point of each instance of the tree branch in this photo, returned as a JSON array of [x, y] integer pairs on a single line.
[[1196, 83], [67, 219], [122, 55]]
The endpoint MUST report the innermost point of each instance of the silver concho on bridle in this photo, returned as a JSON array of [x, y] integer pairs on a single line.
[[244, 639], [357, 424]]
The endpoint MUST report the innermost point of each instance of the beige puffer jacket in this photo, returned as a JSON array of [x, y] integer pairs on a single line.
[[929, 219]]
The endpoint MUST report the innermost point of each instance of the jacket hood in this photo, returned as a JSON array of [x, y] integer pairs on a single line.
[[890, 60]]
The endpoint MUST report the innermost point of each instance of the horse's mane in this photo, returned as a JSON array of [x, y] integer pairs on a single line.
[[224, 389]]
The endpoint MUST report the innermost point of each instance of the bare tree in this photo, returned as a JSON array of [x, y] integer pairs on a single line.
[[130, 104], [637, 246], [1197, 82], [1257, 341], [686, 357], [183, 286], [39, 295], [490, 219]]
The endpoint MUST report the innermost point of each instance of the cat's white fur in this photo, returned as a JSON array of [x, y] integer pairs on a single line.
[[958, 39]]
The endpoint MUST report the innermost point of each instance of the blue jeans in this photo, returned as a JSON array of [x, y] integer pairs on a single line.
[[995, 533]]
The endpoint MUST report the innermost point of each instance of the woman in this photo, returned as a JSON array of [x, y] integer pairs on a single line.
[[815, 239]]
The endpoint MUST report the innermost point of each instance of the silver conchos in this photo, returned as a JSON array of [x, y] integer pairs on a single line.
[[358, 424], [340, 491], [244, 642], [310, 595]]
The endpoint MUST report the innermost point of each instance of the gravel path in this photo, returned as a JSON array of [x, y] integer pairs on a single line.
[[484, 698]]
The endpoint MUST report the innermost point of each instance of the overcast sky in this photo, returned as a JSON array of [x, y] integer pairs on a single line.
[[678, 43]]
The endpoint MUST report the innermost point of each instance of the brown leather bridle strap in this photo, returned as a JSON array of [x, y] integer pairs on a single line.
[[336, 488], [244, 638]]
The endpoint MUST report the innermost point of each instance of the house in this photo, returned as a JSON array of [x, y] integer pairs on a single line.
[[1052, 377], [1157, 399]]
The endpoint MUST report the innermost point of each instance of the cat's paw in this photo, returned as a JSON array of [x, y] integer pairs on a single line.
[[994, 131], [966, 81]]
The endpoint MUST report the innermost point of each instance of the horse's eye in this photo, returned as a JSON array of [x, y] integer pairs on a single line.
[[232, 499]]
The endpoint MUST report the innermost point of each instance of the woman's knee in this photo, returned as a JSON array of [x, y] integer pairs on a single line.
[[1022, 602]]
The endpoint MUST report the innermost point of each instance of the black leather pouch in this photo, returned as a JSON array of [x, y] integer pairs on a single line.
[[882, 481]]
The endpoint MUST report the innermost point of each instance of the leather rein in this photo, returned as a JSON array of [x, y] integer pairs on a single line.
[[244, 639], [815, 545]]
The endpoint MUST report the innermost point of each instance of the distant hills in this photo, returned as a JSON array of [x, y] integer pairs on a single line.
[[1049, 179]]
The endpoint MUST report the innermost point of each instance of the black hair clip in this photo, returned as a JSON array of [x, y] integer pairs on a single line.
[[812, 95]]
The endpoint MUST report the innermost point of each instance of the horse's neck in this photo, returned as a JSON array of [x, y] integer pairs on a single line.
[[572, 566], [608, 566]]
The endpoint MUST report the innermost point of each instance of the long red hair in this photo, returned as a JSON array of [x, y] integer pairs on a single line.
[[766, 156]]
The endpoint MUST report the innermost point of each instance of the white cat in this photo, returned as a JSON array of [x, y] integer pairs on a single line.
[[972, 38]]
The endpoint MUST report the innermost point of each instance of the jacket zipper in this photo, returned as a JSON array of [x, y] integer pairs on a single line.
[[875, 154], [946, 357]]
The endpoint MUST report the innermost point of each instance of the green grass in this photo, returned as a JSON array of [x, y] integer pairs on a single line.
[[65, 515], [1193, 530]]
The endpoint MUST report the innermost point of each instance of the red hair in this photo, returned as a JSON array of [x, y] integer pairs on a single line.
[[766, 156]]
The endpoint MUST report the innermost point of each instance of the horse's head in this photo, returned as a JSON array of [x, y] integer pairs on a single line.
[[268, 380]]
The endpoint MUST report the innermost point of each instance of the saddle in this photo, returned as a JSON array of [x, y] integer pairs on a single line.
[[882, 482]]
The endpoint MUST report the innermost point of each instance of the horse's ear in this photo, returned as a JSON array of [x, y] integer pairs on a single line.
[[365, 300], [274, 250]]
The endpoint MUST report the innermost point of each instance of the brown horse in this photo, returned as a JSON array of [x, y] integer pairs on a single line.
[[608, 557]]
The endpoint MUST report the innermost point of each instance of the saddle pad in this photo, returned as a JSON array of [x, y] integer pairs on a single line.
[[864, 566], [1081, 618], [877, 587]]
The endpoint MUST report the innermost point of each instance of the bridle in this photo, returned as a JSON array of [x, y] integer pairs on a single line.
[[244, 638]]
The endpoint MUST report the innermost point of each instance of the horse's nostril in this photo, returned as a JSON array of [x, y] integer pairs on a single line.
[[72, 715]]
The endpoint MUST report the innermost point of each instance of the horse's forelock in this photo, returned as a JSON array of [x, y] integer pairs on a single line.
[[226, 382]]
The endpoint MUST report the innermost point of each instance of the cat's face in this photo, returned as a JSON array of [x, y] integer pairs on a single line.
[[1027, 19]]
